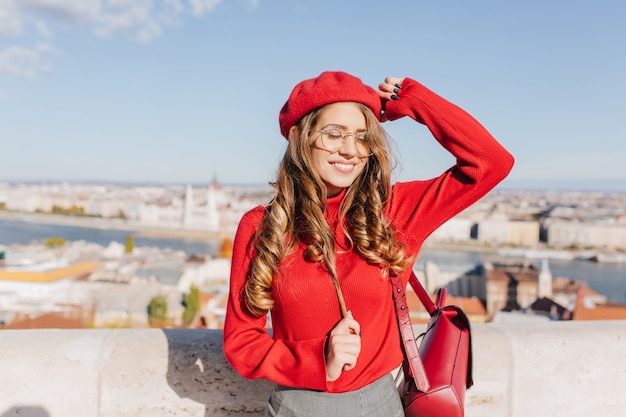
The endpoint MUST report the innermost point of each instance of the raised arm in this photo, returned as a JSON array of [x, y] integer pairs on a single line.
[[419, 207]]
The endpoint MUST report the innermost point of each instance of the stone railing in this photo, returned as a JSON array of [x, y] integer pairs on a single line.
[[538, 369]]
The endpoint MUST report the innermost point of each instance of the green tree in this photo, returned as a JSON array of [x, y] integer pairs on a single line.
[[191, 302], [54, 242], [157, 311], [130, 243]]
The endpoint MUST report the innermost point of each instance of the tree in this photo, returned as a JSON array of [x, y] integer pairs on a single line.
[[54, 242], [191, 302], [157, 311], [130, 243]]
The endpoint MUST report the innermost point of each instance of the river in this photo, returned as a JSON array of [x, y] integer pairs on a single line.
[[606, 278]]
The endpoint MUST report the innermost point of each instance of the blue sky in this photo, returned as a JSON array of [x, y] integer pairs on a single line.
[[184, 91]]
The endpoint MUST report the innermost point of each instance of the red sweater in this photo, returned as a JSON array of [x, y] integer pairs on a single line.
[[306, 306]]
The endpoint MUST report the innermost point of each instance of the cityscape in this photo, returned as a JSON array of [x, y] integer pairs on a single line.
[[137, 256]]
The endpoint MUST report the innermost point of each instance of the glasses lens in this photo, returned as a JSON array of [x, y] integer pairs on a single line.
[[333, 138], [363, 148]]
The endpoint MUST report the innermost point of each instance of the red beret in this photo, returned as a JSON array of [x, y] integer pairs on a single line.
[[329, 87]]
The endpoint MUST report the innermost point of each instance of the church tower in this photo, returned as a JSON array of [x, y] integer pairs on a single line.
[[545, 280], [188, 207], [212, 206]]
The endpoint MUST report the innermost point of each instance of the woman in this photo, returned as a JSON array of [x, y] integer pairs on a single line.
[[336, 223]]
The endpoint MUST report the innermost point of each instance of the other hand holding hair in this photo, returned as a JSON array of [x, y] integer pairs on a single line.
[[343, 347]]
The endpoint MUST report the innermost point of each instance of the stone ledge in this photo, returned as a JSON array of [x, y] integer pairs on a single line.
[[520, 369]]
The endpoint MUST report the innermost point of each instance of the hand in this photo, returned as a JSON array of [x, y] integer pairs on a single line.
[[388, 90], [343, 347]]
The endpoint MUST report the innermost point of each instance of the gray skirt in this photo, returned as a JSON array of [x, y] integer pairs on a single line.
[[378, 399]]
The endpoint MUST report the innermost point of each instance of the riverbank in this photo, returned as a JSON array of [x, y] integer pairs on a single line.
[[147, 231], [539, 251], [154, 232]]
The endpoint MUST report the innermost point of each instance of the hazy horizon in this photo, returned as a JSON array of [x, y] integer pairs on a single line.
[[580, 185]]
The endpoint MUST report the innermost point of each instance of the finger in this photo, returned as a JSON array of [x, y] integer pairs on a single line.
[[386, 89], [396, 82], [389, 89], [341, 362], [354, 327], [347, 326], [349, 366], [390, 84], [347, 355], [344, 344]]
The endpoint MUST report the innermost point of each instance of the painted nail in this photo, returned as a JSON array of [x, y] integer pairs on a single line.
[[398, 85], [394, 97], [395, 90]]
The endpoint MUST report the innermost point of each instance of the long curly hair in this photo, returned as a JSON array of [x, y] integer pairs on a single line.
[[296, 214]]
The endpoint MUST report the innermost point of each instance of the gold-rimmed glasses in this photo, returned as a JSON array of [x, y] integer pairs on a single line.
[[333, 138]]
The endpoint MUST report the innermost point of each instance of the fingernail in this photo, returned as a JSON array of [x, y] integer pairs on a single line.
[[398, 85], [395, 90], [394, 97]]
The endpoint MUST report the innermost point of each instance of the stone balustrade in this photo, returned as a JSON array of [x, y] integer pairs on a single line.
[[521, 369]]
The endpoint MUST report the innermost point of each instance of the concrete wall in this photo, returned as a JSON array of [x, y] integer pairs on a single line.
[[538, 369]]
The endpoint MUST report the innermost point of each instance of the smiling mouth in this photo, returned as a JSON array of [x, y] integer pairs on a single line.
[[343, 167]]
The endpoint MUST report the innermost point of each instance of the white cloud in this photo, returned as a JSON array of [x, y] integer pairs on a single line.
[[142, 20], [131, 17], [200, 7], [25, 62], [37, 20], [139, 19], [43, 30], [70, 11], [10, 22]]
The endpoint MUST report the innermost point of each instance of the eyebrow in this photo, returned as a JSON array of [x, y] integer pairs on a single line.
[[344, 127]]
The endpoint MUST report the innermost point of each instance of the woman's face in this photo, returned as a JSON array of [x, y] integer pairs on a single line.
[[339, 168]]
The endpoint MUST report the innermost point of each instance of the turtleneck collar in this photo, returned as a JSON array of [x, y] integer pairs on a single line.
[[334, 203]]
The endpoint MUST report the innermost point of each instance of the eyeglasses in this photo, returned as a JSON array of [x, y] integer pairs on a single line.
[[334, 137]]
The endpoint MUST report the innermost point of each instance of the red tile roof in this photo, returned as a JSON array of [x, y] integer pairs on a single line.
[[598, 311], [45, 321]]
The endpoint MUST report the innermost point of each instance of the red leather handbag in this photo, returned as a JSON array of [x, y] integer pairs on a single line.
[[438, 372]]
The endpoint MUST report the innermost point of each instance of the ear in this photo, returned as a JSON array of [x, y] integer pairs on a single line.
[[293, 133]]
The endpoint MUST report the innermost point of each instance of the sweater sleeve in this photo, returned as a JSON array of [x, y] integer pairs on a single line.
[[248, 346], [418, 208]]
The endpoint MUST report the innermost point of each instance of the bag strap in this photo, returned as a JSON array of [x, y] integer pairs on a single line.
[[411, 350], [425, 299]]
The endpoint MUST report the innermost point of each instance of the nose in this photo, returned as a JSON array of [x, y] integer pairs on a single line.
[[348, 148]]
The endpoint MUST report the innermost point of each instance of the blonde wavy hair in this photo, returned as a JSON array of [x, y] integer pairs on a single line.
[[296, 214]]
